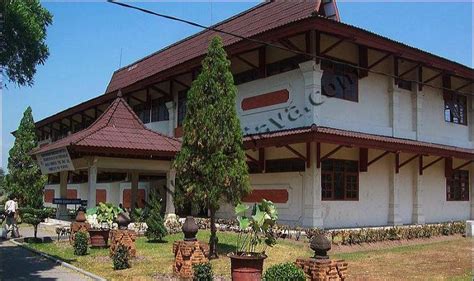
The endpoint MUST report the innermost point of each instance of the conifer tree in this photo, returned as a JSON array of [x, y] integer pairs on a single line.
[[211, 165], [156, 229], [25, 180]]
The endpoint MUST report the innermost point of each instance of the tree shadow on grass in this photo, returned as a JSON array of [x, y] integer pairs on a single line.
[[224, 248], [156, 241]]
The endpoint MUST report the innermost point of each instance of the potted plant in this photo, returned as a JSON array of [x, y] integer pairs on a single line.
[[101, 219], [255, 236]]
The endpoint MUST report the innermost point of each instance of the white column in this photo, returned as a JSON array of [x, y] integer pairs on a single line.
[[92, 182], [170, 212], [417, 217], [312, 205], [418, 113], [471, 190], [394, 95], [394, 196], [312, 75], [134, 186], [171, 113], [62, 209], [471, 118]]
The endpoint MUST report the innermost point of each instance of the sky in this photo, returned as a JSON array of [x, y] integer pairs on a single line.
[[89, 40]]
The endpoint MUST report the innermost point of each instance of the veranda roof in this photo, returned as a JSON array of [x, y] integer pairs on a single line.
[[118, 131]]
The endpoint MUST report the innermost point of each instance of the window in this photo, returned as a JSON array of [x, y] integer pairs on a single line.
[[457, 186], [340, 81], [181, 107], [340, 180], [159, 112], [404, 84], [142, 113], [455, 108], [279, 166]]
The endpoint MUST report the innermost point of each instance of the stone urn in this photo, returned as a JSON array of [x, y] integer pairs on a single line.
[[190, 229], [123, 220], [81, 216], [320, 244]]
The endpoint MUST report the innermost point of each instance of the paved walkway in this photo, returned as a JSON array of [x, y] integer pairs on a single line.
[[17, 263]]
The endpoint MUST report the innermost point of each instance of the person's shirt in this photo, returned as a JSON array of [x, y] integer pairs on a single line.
[[11, 206]]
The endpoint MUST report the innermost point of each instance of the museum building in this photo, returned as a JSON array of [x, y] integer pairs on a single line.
[[342, 127]]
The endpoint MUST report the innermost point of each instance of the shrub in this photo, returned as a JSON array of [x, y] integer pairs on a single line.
[[121, 258], [284, 271], [203, 272], [80, 243], [156, 228], [33, 217]]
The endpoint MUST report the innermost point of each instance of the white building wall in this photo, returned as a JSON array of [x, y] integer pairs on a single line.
[[436, 207], [160, 126]]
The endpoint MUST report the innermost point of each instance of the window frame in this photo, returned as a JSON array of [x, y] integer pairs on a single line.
[[182, 107], [158, 108], [334, 68], [464, 197], [457, 99], [345, 175]]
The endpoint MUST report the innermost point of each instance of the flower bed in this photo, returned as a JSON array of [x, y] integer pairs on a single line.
[[342, 236]]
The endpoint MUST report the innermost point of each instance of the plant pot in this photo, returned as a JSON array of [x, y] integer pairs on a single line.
[[99, 237], [246, 267]]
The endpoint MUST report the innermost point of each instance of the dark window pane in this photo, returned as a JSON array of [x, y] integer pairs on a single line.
[[339, 180]]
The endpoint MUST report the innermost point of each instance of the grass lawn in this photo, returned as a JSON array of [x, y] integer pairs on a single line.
[[432, 260]]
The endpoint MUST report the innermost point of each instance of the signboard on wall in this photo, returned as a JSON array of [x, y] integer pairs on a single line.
[[55, 161]]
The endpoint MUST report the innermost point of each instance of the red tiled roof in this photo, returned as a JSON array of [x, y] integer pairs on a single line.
[[118, 130], [261, 18], [344, 137]]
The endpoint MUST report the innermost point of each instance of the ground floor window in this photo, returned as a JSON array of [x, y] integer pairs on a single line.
[[457, 186], [340, 180]]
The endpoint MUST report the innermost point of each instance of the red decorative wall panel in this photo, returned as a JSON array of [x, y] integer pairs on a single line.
[[127, 198], [101, 196], [267, 99], [48, 195], [274, 195]]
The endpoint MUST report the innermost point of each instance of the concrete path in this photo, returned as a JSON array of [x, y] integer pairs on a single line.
[[17, 263]]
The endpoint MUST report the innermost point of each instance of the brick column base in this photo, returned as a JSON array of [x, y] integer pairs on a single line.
[[187, 254], [322, 270], [76, 227], [123, 237]]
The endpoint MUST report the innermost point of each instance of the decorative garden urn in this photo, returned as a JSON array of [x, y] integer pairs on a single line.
[[123, 220], [80, 217], [190, 229], [320, 244]]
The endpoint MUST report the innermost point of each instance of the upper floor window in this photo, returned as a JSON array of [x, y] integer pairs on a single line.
[[340, 81], [159, 112], [181, 107], [457, 186], [339, 180], [455, 108], [142, 112]]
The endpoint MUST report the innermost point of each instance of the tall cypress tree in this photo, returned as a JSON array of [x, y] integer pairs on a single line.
[[211, 165], [25, 179]]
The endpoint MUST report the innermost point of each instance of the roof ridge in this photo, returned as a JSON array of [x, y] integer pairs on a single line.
[[194, 35]]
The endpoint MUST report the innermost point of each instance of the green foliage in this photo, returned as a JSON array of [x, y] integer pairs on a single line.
[[23, 41], [203, 272], [156, 228], [121, 258], [211, 165], [81, 242], [33, 217], [261, 222], [107, 212], [370, 235], [24, 179], [139, 215], [284, 271]]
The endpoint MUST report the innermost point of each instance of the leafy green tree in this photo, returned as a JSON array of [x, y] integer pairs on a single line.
[[23, 38], [156, 228], [24, 179], [211, 165]]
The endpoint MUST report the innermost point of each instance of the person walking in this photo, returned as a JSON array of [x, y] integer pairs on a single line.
[[11, 212]]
